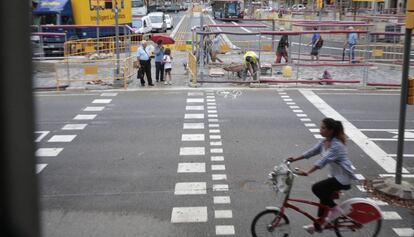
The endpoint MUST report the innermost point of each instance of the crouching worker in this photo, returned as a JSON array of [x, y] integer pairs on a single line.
[[251, 61]]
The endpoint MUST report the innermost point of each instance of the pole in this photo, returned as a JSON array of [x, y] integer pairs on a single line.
[[97, 25], [403, 105], [273, 36], [117, 39], [201, 72]]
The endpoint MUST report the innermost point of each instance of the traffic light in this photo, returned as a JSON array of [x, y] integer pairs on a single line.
[[410, 95]]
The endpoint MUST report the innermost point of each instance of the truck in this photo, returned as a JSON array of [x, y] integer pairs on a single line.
[[77, 19]]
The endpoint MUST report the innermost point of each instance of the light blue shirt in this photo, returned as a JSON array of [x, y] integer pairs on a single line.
[[352, 38], [142, 54], [336, 156], [159, 53]]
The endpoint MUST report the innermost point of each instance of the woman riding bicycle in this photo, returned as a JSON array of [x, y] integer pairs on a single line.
[[334, 153]]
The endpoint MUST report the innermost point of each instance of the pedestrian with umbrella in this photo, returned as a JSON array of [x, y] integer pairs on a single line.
[[159, 66]]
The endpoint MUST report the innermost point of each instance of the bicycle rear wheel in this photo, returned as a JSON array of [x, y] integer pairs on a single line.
[[345, 227], [262, 224]]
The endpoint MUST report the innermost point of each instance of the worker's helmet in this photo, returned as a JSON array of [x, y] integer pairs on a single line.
[[249, 59]]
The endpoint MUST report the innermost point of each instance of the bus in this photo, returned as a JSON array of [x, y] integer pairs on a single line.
[[227, 9], [138, 8]]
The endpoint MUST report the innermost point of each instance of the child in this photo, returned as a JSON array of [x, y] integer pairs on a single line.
[[167, 66]]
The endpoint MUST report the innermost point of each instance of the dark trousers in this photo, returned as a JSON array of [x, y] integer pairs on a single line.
[[159, 71], [146, 69], [324, 190]]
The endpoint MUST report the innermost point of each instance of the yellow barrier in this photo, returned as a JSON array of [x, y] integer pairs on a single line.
[[192, 67]]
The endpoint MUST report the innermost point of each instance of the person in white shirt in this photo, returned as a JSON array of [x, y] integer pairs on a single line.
[[167, 66]]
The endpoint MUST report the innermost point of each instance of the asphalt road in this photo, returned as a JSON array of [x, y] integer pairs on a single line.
[[141, 165]]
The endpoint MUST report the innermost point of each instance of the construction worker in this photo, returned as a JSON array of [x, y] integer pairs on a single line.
[[251, 61]]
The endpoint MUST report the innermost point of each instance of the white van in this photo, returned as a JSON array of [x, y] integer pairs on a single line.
[[158, 21], [142, 25]]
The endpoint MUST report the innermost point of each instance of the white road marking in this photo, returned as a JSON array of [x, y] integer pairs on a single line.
[[212, 115], [218, 177], [310, 125], [221, 200], [216, 150], [40, 167], [213, 120], [214, 131], [194, 116], [190, 188], [74, 127], [193, 126], [301, 115], [290, 103], [212, 111], [405, 155], [383, 130], [101, 101], [391, 215], [243, 28], [390, 139], [220, 187], [42, 135], [393, 175], [305, 119], [196, 107], [360, 177], [62, 138], [85, 117], [361, 188], [219, 143], [192, 137], [369, 147], [191, 168], [172, 35], [195, 100], [94, 108], [211, 100], [213, 137], [285, 96], [211, 103], [217, 158], [378, 202], [212, 125], [225, 230], [109, 94], [189, 214], [314, 130], [294, 107], [297, 111], [218, 167], [211, 107], [222, 214], [404, 232], [195, 93], [192, 151], [318, 136], [287, 99], [48, 152], [210, 96]]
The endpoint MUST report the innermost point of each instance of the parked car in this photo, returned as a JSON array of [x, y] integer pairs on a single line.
[[142, 25], [169, 21], [158, 21]]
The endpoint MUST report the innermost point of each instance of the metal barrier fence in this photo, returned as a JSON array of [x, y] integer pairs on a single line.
[[192, 66], [79, 72]]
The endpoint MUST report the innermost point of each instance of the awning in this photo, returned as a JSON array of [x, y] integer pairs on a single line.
[[62, 7]]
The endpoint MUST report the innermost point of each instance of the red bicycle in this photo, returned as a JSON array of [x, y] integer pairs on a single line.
[[361, 217]]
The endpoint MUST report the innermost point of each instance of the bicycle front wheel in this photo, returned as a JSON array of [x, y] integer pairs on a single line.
[[345, 227], [270, 223]]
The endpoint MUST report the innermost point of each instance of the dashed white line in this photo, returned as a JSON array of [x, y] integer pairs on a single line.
[[48, 152], [85, 117], [221, 200], [216, 150], [214, 131], [213, 120], [404, 232], [218, 167], [217, 158], [194, 116], [190, 188], [310, 125], [217, 177], [193, 126], [220, 187], [40, 167], [192, 137], [215, 137], [101, 101], [62, 138], [391, 215], [221, 214], [191, 168], [74, 127], [212, 115], [109, 94], [197, 107], [195, 100], [195, 94], [213, 125], [189, 214], [94, 108], [42, 135], [192, 151], [225, 230], [216, 143]]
